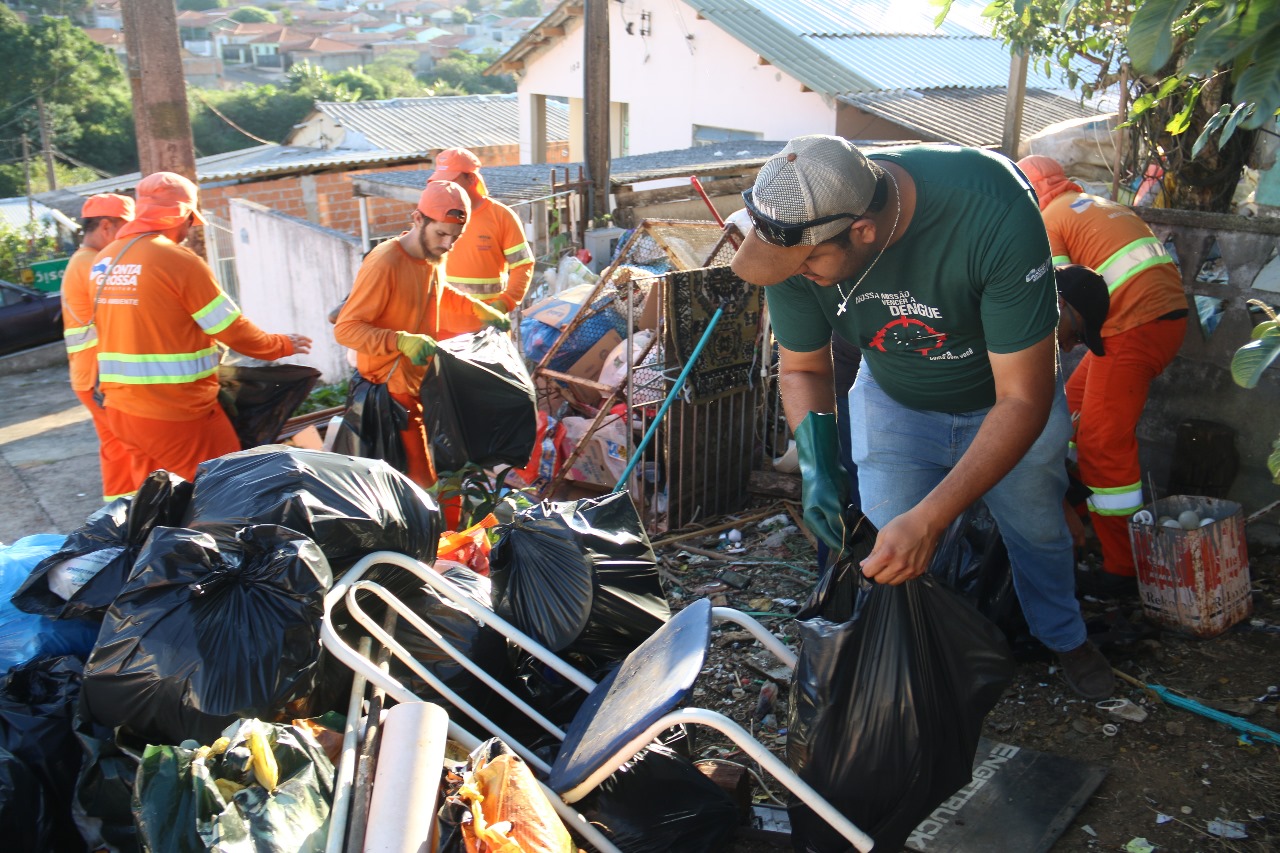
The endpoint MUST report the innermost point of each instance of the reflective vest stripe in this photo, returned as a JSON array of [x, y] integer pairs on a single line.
[[1121, 500], [217, 315], [80, 338], [1141, 254], [166, 369], [457, 279], [518, 256]]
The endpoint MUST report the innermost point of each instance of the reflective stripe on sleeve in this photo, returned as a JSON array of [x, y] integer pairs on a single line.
[[1140, 255], [164, 369], [217, 315], [518, 256], [80, 338], [1059, 260], [1121, 500]]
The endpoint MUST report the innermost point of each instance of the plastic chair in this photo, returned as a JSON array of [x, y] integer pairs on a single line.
[[622, 714]]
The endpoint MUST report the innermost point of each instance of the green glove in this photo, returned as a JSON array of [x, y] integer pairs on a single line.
[[825, 488], [418, 348], [491, 316]]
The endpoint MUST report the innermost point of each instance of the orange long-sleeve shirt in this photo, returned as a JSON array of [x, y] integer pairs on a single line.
[[1112, 240], [159, 317], [492, 258], [396, 292], [77, 310]]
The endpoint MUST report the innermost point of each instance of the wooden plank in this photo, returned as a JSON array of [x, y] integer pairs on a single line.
[[723, 187]]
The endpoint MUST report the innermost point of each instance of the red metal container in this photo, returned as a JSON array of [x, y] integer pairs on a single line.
[[1194, 581]]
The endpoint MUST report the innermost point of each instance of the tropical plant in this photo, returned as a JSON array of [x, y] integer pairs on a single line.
[[1252, 360], [21, 246], [1210, 67]]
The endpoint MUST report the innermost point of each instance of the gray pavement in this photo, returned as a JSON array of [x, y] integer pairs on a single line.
[[49, 476]]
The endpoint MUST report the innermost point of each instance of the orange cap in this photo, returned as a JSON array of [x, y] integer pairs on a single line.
[[107, 204], [1047, 178], [165, 200], [452, 162], [445, 201]]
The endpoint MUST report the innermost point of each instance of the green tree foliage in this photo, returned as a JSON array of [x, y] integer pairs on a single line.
[[348, 85], [462, 15], [1196, 73], [266, 112], [252, 15], [86, 96], [13, 180], [200, 5], [394, 72], [20, 247], [462, 73], [525, 9]]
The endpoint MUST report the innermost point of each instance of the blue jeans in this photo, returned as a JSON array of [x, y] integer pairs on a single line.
[[903, 453]]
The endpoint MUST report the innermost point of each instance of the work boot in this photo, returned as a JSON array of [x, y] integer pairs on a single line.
[[1104, 584], [1087, 672]]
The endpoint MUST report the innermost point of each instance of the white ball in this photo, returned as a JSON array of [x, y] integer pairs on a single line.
[[1172, 522], [735, 535], [1189, 519]]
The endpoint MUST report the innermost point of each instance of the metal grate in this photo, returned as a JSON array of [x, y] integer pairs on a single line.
[[220, 245]]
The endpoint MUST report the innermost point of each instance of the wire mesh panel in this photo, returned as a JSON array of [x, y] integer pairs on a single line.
[[220, 245]]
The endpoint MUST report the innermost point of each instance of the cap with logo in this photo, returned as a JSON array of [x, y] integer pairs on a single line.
[[445, 201], [810, 191], [1086, 292]]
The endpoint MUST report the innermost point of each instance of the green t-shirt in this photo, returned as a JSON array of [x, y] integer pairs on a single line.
[[972, 274]]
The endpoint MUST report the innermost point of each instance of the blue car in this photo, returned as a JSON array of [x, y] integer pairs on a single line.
[[28, 317]]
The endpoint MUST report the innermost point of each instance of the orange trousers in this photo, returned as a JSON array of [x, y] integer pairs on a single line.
[[421, 469], [1109, 394], [112, 455], [176, 446]]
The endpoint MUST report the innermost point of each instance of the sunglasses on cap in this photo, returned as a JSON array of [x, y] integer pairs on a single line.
[[453, 216], [784, 234]]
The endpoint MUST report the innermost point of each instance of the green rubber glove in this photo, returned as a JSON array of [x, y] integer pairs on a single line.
[[825, 488], [491, 316], [418, 348]]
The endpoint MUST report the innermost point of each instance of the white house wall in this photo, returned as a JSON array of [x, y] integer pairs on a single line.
[[670, 83], [291, 273]]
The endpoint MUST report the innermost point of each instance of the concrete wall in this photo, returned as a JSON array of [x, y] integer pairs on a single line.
[[719, 82], [291, 273], [1198, 384]]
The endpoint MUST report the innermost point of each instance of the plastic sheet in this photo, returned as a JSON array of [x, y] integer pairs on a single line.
[[372, 424], [908, 683], [208, 630], [102, 551], [37, 704], [478, 403], [260, 398], [349, 506], [659, 802], [24, 636], [180, 807], [579, 576], [23, 820]]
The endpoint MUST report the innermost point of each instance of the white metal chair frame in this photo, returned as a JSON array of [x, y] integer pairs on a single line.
[[353, 583]]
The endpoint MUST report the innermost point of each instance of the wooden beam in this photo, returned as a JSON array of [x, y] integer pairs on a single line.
[[572, 11], [760, 60], [550, 32], [628, 197]]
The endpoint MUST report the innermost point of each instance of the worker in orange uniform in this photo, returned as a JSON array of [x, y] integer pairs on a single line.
[[1143, 332], [491, 260], [160, 316], [100, 218], [399, 308]]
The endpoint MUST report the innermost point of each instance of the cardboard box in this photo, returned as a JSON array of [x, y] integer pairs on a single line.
[[558, 310], [589, 367], [604, 458]]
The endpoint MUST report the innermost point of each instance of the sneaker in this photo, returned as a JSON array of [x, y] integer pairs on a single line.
[[1101, 584], [1087, 672]]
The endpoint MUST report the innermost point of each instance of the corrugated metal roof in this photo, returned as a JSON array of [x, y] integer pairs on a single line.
[[16, 213], [968, 116], [260, 161], [428, 124]]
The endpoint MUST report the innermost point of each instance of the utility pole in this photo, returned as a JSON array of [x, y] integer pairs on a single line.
[[31, 205], [595, 100], [159, 89], [46, 143]]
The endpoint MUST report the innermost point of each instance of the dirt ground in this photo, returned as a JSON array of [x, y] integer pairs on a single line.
[[1169, 777]]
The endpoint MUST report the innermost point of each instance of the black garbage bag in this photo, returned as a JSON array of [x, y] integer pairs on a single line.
[[349, 506], [24, 825], [913, 676], [208, 630], [478, 403], [102, 807], [102, 551], [259, 398], [37, 705], [479, 643], [579, 576], [180, 807], [372, 424], [972, 559], [659, 802]]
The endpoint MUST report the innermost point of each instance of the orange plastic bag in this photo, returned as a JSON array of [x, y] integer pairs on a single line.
[[510, 813], [469, 547]]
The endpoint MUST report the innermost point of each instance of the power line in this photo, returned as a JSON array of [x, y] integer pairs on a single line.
[[235, 126]]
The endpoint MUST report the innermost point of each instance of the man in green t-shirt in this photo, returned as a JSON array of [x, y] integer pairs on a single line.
[[934, 261]]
